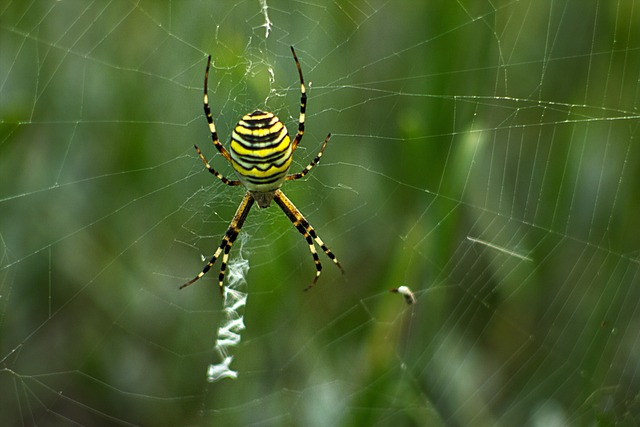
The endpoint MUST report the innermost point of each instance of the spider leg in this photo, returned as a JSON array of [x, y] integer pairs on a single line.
[[303, 226], [207, 113], [215, 172], [227, 241], [310, 165], [303, 104]]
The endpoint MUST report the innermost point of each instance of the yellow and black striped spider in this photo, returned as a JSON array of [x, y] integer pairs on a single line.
[[260, 152]]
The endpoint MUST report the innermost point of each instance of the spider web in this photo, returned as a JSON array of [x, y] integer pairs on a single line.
[[484, 154]]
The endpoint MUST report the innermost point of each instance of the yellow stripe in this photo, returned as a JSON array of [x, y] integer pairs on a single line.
[[241, 150], [260, 174], [249, 117], [259, 132]]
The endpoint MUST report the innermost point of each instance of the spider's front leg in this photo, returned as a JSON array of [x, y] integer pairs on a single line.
[[303, 226], [227, 241]]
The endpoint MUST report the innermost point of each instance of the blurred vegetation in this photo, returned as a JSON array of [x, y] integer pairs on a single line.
[[483, 153]]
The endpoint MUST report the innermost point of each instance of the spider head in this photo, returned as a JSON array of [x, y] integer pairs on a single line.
[[263, 198]]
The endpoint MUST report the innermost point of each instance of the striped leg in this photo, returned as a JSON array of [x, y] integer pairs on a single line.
[[303, 226], [207, 113], [227, 241], [310, 165], [214, 134], [215, 172], [303, 104]]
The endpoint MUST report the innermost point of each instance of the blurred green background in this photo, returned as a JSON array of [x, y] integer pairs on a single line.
[[484, 153]]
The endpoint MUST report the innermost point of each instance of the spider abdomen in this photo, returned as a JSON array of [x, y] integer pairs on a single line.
[[260, 151]]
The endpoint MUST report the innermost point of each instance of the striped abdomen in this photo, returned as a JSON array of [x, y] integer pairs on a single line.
[[260, 151]]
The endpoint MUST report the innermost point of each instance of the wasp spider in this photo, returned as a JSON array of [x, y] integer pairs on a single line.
[[260, 152]]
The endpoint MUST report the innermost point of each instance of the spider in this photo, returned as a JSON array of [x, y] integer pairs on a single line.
[[260, 152]]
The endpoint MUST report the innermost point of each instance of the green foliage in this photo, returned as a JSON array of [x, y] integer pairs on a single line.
[[483, 153]]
